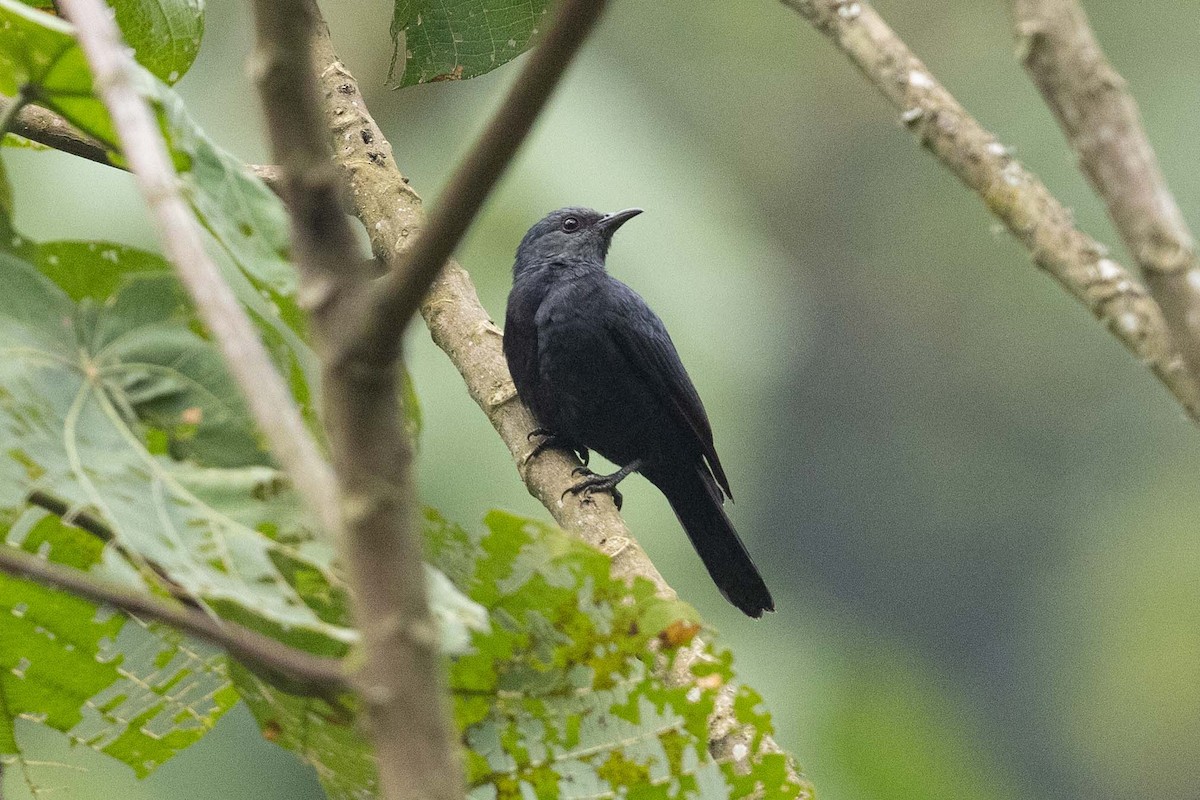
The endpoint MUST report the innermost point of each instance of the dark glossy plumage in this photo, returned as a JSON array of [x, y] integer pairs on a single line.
[[598, 370]]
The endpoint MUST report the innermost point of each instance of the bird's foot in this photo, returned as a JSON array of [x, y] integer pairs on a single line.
[[603, 483], [551, 439], [595, 483]]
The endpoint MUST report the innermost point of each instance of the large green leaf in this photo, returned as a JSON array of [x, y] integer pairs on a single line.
[[98, 404], [450, 40], [164, 34], [136, 692], [558, 698], [247, 221]]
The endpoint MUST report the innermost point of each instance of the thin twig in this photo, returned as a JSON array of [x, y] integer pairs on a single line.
[[400, 294], [1013, 194], [391, 213], [84, 520], [88, 522], [261, 653], [401, 678], [1104, 127], [245, 356], [43, 126]]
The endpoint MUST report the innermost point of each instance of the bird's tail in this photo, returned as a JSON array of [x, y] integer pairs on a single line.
[[696, 500]]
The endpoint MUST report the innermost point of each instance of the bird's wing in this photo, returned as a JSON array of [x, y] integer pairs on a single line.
[[521, 344], [643, 339]]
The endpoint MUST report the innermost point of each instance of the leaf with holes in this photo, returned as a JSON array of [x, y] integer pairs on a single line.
[[98, 404], [558, 698], [450, 40], [138, 693]]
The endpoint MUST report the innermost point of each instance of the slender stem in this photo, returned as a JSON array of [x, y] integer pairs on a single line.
[[245, 356], [92, 524], [1102, 124], [1013, 194], [401, 679], [256, 651], [83, 520], [45, 127], [400, 294]]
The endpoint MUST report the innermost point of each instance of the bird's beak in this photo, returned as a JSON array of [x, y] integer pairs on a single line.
[[610, 222]]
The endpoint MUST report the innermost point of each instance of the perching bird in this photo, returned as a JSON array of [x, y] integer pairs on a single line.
[[598, 370]]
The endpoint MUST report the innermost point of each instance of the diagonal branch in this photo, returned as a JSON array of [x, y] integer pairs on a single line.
[[43, 126], [401, 292], [391, 213], [401, 676], [89, 523], [266, 395], [1103, 126], [1013, 194], [301, 671]]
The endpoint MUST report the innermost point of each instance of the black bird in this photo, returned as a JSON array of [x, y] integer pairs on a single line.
[[598, 370]]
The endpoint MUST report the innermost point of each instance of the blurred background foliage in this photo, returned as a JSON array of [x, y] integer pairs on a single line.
[[978, 514]]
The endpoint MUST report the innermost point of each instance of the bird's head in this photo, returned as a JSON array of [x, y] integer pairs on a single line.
[[570, 235]]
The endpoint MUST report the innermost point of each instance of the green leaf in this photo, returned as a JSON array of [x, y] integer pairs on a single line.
[[164, 34], [139, 693], [330, 739], [558, 697], [13, 140], [450, 40], [247, 221], [6, 195], [98, 404], [410, 405]]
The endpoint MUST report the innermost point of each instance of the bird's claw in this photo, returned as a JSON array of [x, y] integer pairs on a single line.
[[548, 440], [552, 439], [595, 483], [580, 471]]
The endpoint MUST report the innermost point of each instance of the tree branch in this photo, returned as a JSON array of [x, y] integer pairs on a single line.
[[1103, 126], [391, 213], [97, 527], [401, 677], [1012, 193], [401, 292], [261, 653], [266, 395], [43, 126]]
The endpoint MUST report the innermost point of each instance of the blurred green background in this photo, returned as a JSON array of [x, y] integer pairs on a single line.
[[977, 512]]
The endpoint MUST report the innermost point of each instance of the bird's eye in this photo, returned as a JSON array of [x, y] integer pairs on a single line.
[[569, 224]]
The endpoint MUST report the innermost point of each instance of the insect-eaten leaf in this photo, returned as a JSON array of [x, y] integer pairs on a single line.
[[137, 692], [115, 406], [560, 696]]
